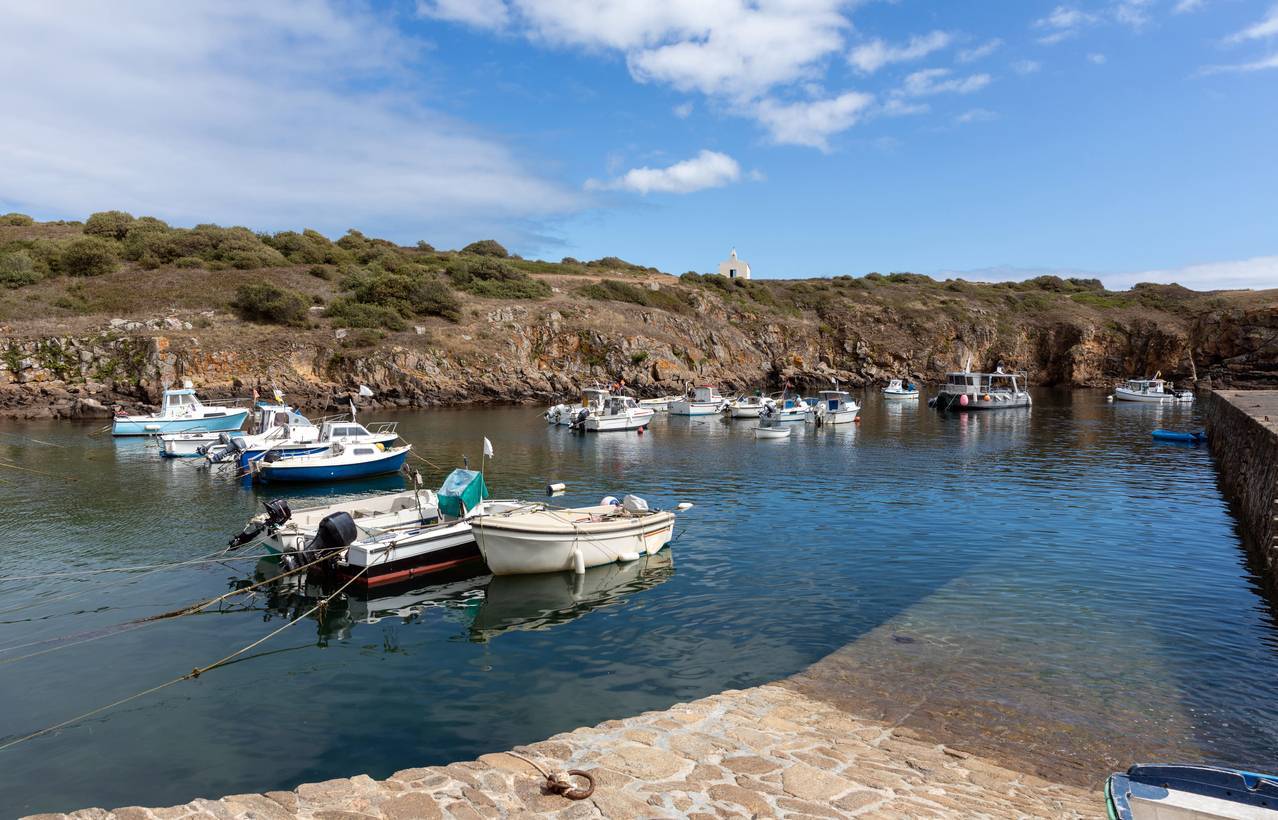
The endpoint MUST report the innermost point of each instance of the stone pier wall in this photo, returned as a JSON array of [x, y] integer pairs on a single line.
[[1242, 426]]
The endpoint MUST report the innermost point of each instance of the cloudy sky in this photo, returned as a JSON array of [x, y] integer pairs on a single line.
[[1135, 140]]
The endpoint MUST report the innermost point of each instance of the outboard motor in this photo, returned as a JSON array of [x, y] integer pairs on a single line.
[[277, 512], [334, 533]]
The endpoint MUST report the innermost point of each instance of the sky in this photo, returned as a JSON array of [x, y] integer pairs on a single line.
[[1132, 140]]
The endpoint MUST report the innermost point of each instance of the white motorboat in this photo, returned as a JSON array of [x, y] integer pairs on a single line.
[[835, 407], [617, 413], [660, 404], [1153, 390], [701, 401], [899, 389], [181, 411], [773, 431], [747, 407], [786, 407], [187, 445], [336, 462], [283, 432], [965, 390], [566, 415], [549, 540]]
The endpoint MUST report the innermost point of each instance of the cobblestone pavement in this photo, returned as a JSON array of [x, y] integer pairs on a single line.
[[762, 752]]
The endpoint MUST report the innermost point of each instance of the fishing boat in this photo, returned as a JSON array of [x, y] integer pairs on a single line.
[[660, 404], [336, 462], [1147, 792], [284, 432], [899, 389], [549, 540], [965, 390], [181, 411], [785, 407], [701, 401], [772, 431], [617, 413], [747, 407], [393, 537], [566, 415], [834, 407], [1153, 390]]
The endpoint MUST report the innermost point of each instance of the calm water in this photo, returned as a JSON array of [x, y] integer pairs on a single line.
[[1061, 537]]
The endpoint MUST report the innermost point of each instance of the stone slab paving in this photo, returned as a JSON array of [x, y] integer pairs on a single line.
[[763, 752]]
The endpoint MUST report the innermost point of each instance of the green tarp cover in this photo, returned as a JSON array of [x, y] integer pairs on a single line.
[[461, 491]]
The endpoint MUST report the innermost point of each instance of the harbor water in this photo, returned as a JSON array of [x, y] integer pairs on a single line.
[[1081, 582]]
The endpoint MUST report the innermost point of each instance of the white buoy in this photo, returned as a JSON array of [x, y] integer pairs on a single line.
[[627, 557], [556, 488], [683, 505], [578, 562], [609, 501]]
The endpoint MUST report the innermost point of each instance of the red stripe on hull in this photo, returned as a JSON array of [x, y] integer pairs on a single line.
[[391, 576]]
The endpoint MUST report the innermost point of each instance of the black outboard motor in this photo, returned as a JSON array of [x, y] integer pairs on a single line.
[[277, 512], [334, 533]]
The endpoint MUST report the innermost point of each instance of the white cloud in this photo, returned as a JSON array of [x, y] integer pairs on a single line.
[[1263, 29], [1262, 64], [971, 55], [871, 56], [975, 115], [1186, 6], [1134, 13], [813, 122], [939, 81], [491, 14], [682, 110], [281, 114], [1096, 58], [1026, 66], [708, 169], [1062, 23], [1259, 272]]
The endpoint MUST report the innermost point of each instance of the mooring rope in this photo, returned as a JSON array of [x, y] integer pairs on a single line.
[[194, 673], [37, 472], [105, 570]]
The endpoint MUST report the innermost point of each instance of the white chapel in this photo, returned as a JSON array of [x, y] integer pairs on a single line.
[[734, 268]]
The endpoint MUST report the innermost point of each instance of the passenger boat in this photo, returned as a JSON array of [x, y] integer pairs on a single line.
[[835, 407], [898, 389], [785, 407], [550, 540], [1154, 390], [965, 390], [181, 411], [393, 537], [336, 462], [747, 407], [701, 401], [617, 413], [661, 404], [592, 401], [283, 432], [772, 431], [1147, 792]]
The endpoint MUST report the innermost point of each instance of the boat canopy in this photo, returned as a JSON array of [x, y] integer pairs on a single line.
[[705, 393], [461, 491]]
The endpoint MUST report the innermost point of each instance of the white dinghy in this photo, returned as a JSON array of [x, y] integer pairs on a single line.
[[899, 389], [772, 431], [547, 540]]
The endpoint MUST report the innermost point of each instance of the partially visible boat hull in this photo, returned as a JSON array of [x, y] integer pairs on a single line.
[[903, 394], [633, 420], [282, 471], [695, 408], [510, 549], [996, 401], [1191, 793], [156, 425], [1123, 394], [186, 445]]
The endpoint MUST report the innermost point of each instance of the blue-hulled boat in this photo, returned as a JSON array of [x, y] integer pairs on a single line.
[[1190, 793], [181, 412], [337, 462], [1191, 436], [283, 431]]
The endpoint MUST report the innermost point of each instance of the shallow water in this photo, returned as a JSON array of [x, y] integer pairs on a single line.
[[1019, 557]]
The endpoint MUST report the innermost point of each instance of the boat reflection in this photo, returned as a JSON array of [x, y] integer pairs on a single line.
[[482, 605]]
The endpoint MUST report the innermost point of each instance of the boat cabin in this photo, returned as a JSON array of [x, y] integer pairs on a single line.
[[834, 399], [618, 405], [354, 432], [594, 397], [1156, 387], [979, 384], [705, 393], [182, 403], [283, 421]]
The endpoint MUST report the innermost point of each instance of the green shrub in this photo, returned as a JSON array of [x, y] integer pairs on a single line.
[[1102, 301], [188, 262], [423, 245], [269, 304], [108, 224], [21, 220], [17, 268], [407, 295], [320, 272], [909, 279], [347, 312], [486, 247], [494, 279], [310, 247], [90, 256], [432, 297], [612, 290]]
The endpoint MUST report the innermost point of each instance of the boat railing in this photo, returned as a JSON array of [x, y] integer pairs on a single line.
[[382, 427]]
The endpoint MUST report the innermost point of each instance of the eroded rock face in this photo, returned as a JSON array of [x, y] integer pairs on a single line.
[[538, 351]]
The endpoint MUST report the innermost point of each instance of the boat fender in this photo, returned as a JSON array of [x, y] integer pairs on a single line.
[[556, 488], [627, 557], [963, 400], [683, 505], [578, 562], [609, 501]]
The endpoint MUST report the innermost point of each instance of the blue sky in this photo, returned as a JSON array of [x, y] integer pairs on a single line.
[[1130, 139]]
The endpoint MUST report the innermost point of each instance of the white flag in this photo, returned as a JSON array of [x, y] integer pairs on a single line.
[[488, 448], [364, 392], [352, 401]]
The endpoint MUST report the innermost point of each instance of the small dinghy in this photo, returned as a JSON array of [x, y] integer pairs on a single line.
[[548, 540], [898, 389], [337, 462], [187, 445], [1191, 793], [1191, 436], [772, 431]]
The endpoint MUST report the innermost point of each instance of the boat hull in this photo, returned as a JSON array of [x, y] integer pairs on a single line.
[[633, 420], [997, 401], [695, 408], [1123, 394], [511, 550], [279, 472], [772, 433], [745, 412], [838, 416], [409, 555], [253, 454], [186, 445], [156, 425], [1198, 792], [903, 394]]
